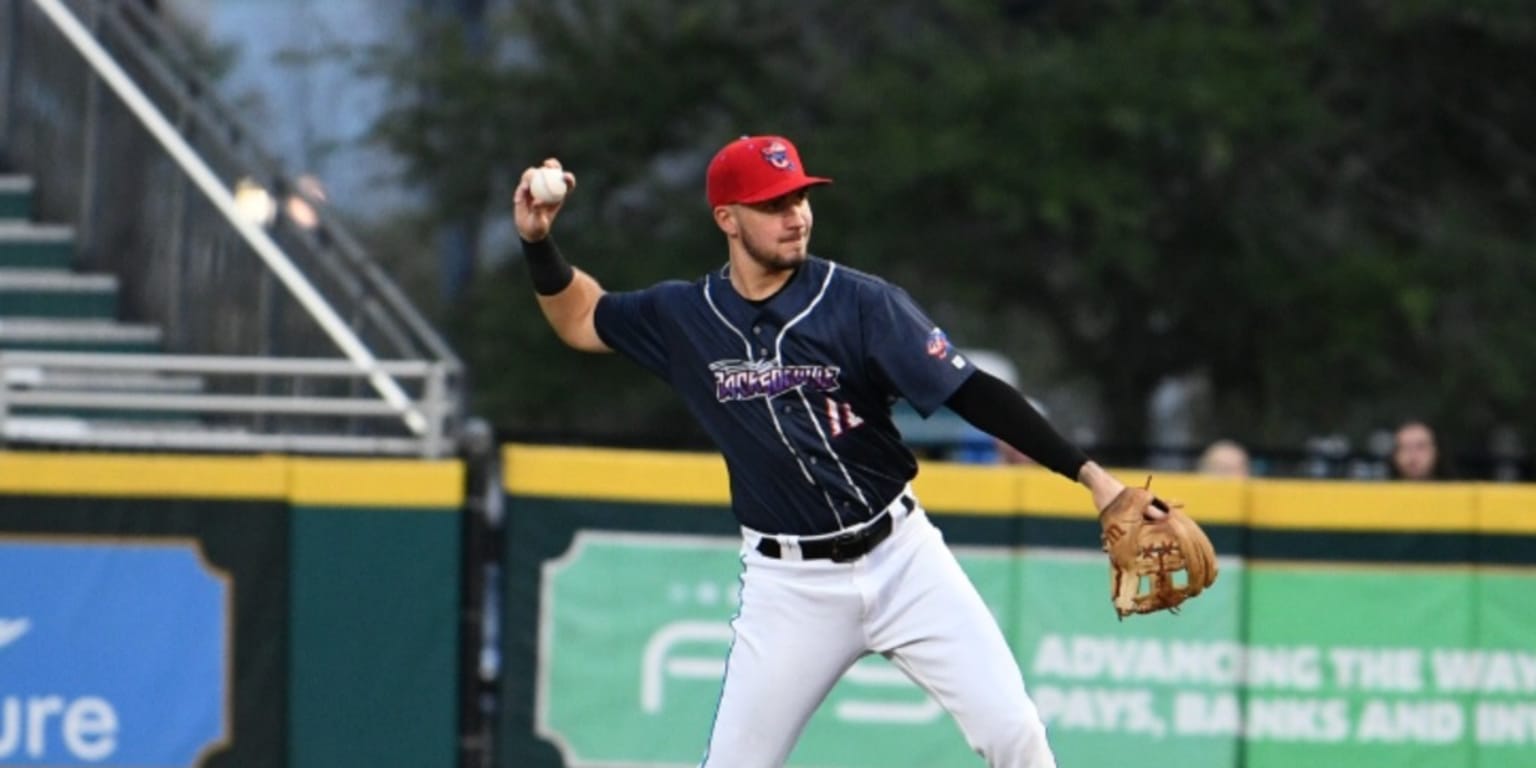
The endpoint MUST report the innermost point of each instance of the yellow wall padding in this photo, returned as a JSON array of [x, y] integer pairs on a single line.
[[393, 483], [1313, 505]]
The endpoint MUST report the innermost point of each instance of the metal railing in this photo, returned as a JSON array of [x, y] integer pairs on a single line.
[[113, 160], [211, 403]]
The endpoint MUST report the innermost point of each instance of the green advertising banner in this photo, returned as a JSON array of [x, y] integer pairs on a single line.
[[1354, 625], [1323, 675]]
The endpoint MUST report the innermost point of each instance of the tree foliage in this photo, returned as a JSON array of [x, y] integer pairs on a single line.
[[1320, 209]]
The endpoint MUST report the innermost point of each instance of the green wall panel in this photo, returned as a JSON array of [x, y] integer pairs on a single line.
[[374, 627]]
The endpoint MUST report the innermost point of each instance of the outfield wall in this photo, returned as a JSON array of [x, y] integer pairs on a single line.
[[228, 611], [1352, 625], [223, 611]]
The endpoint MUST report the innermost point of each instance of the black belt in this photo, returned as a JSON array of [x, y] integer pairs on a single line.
[[844, 547]]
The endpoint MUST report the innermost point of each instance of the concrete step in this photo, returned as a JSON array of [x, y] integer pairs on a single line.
[[15, 197], [57, 293], [94, 431], [25, 245], [29, 377], [77, 335]]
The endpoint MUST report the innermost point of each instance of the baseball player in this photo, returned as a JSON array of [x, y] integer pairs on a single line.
[[791, 363]]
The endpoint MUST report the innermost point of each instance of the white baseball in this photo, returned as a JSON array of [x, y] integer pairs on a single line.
[[547, 185]]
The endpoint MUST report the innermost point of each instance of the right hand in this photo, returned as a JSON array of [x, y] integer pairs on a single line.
[[533, 218], [1104, 487]]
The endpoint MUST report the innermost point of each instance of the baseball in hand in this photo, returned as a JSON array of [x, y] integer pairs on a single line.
[[547, 185]]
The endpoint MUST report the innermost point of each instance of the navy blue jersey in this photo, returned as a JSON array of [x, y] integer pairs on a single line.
[[797, 390]]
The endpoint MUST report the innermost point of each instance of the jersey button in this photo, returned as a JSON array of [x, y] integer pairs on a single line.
[[813, 461], [757, 329]]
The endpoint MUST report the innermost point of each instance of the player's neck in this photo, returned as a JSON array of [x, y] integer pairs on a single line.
[[755, 282]]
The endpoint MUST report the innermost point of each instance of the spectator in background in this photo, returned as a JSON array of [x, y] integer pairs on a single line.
[[1007, 454], [1415, 455], [1224, 458]]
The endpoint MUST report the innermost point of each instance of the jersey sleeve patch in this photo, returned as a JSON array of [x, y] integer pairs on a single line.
[[911, 351]]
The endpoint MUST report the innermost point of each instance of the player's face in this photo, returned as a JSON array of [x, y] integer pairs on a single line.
[[776, 234]]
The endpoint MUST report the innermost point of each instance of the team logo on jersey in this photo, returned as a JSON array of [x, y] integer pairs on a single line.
[[777, 156], [938, 343], [748, 379]]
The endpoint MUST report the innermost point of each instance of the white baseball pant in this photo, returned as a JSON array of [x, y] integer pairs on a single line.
[[803, 623]]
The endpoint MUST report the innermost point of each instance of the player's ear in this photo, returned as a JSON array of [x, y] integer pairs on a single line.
[[725, 219]]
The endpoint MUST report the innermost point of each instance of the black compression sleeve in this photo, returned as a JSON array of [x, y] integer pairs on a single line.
[[549, 270], [992, 406]]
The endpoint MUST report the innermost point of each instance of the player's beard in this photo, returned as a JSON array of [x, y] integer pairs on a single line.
[[772, 257]]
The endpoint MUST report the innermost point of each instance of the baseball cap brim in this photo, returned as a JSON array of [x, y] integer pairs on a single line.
[[783, 188]]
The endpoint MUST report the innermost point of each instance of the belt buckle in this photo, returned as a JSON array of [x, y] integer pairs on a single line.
[[845, 546]]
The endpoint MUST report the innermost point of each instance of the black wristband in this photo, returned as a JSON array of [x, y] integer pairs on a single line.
[[550, 272]]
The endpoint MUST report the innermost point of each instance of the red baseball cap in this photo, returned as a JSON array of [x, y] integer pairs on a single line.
[[752, 169]]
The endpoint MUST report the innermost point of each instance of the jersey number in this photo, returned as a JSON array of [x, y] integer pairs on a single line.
[[841, 417]]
